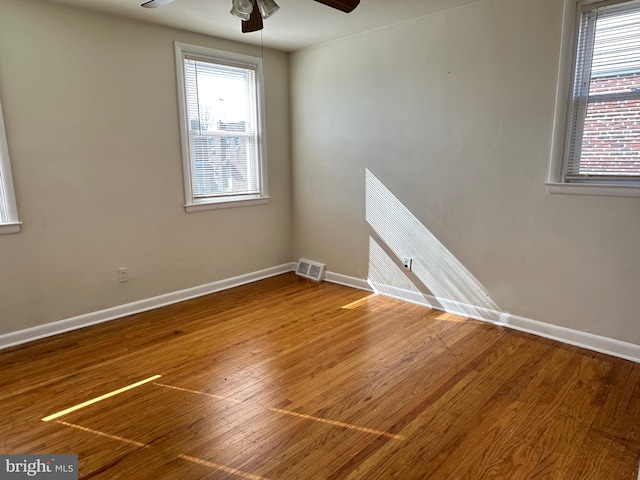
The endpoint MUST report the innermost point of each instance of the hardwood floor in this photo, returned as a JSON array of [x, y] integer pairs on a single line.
[[288, 379]]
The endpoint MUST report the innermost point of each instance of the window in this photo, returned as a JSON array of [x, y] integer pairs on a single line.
[[602, 133], [222, 135], [9, 222]]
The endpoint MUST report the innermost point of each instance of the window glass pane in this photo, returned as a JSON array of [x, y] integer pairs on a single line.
[[611, 138], [611, 133], [616, 49], [8, 212], [221, 166], [221, 101], [604, 135]]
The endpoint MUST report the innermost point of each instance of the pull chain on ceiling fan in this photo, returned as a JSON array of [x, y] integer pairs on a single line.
[[252, 12]]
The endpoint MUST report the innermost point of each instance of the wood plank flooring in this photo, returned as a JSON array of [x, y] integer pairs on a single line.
[[289, 379]]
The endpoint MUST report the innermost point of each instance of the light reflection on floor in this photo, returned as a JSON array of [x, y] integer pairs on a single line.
[[150, 381]]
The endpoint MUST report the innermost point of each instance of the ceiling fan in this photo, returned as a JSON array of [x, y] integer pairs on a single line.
[[253, 11]]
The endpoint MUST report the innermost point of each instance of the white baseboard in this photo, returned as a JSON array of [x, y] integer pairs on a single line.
[[590, 341], [61, 326], [609, 346], [347, 281]]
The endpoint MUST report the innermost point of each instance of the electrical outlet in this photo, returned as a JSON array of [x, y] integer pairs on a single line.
[[123, 274], [407, 263]]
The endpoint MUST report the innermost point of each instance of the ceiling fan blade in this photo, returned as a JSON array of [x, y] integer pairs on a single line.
[[343, 5], [255, 20], [155, 3]]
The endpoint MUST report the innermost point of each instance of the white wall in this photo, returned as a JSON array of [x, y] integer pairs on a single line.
[[90, 105], [452, 114]]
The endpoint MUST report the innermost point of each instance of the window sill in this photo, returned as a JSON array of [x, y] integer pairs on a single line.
[[218, 204], [10, 228], [594, 189]]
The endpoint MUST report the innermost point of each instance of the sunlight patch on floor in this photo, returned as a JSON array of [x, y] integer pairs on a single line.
[[359, 303], [99, 399], [189, 458], [294, 414], [102, 434], [222, 468]]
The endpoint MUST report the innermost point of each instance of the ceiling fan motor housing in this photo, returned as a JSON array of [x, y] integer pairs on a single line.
[[252, 17]]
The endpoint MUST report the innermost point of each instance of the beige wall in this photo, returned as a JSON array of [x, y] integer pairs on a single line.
[[91, 113], [453, 115]]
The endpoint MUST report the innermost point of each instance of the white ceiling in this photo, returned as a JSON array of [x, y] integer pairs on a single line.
[[298, 24]]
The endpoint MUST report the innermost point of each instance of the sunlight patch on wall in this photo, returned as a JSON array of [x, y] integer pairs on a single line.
[[386, 278], [451, 286]]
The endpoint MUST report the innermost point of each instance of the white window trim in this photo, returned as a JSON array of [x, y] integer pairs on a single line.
[[193, 204], [7, 193], [555, 183]]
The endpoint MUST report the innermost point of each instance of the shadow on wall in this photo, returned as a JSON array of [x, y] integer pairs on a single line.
[[437, 278]]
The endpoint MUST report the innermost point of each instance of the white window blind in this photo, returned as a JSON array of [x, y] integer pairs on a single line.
[[4, 209], [603, 143], [9, 222], [223, 128]]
